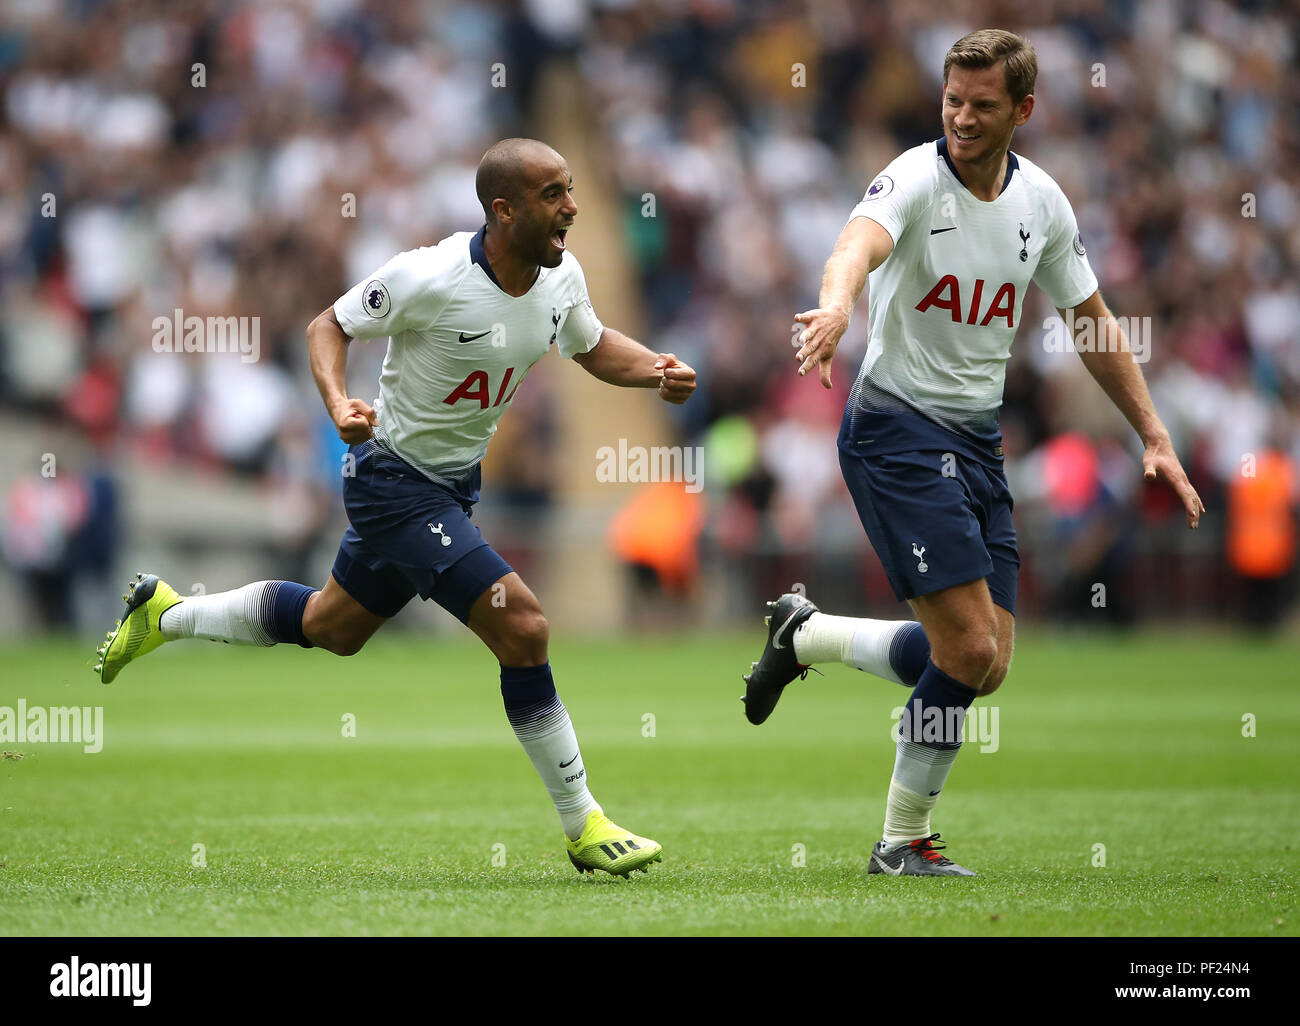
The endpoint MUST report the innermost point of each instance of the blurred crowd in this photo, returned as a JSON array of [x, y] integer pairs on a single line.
[[255, 159], [1171, 127]]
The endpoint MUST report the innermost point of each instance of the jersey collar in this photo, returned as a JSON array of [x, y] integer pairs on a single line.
[[478, 256], [1012, 164]]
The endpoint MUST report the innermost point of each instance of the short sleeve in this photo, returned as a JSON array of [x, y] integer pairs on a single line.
[[582, 328], [407, 292], [1063, 270], [898, 195]]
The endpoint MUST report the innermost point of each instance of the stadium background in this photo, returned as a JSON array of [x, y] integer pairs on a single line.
[[717, 148]]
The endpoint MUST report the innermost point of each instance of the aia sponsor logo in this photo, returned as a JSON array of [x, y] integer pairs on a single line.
[[477, 388], [946, 295]]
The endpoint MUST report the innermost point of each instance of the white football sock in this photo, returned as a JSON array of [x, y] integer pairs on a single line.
[[235, 617], [858, 642], [552, 745], [920, 772]]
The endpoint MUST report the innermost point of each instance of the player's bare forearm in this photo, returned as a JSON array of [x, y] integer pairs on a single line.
[[860, 249], [327, 351], [1110, 362], [619, 360]]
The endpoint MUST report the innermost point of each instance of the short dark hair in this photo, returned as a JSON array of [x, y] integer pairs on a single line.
[[501, 172], [983, 48]]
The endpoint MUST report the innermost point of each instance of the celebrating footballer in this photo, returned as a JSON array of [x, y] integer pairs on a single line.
[[465, 319], [950, 235]]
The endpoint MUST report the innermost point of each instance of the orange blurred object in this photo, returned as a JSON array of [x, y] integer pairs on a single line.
[[1261, 527], [660, 528]]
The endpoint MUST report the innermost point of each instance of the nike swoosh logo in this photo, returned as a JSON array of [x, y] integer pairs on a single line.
[[776, 634], [940, 231], [565, 765], [933, 793], [885, 866], [471, 338]]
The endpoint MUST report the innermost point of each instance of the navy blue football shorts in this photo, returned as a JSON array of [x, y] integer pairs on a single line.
[[411, 536], [935, 519]]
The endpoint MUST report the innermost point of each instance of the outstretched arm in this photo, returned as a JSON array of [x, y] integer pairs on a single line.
[[1110, 361], [861, 248], [619, 360]]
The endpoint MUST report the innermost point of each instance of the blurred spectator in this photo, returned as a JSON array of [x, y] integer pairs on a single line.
[[256, 159], [1082, 486], [60, 533], [1263, 500]]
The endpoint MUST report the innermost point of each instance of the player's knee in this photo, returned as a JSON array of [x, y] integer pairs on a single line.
[[994, 679], [978, 654], [521, 639], [530, 630]]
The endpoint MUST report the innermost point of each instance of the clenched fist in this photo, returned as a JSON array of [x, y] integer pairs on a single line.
[[678, 381], [354, 419]]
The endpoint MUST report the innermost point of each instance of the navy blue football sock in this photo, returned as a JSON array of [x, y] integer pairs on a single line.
[[282, 609], [936, 712], [909, 653], [529, 695]]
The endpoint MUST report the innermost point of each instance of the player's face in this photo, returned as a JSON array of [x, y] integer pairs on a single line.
[[978, 115], [547, 211]]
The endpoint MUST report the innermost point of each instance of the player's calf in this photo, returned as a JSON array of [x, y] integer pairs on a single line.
[[509, 620], [333, 620], [1006, 643]]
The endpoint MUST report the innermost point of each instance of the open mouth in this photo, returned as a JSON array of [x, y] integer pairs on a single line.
[[964, 138], [557, 236]]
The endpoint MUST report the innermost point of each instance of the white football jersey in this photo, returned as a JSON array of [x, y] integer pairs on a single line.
[[459, 346], [946, 303]]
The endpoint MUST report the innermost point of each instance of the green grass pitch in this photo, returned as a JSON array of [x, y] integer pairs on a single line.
[[431, 820]]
